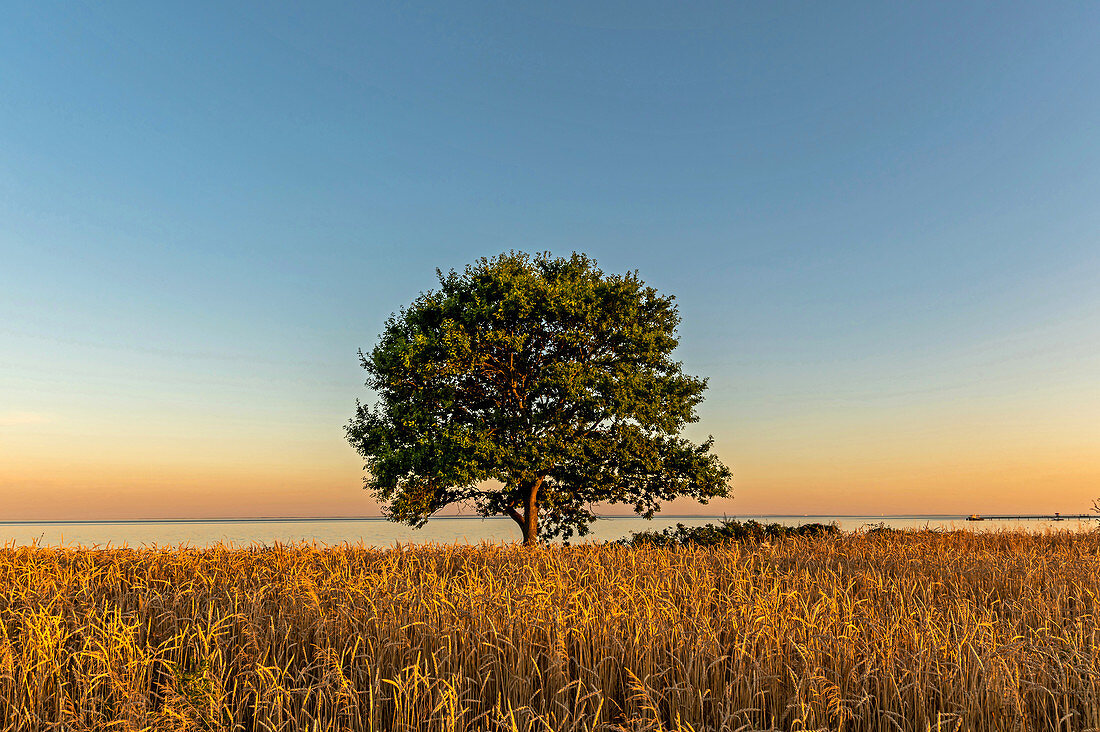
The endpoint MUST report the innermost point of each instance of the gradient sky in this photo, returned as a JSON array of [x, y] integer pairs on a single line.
[[881, 222]]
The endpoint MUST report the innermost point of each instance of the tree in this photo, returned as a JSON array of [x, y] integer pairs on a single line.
[[532, 387]]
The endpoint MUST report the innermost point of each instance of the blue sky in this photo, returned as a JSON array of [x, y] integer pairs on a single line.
[[880, 222]]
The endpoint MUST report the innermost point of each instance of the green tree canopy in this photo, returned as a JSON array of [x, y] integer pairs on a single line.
[[532, 387]]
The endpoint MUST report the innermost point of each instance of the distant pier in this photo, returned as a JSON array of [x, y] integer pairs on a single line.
[[1033, 517]]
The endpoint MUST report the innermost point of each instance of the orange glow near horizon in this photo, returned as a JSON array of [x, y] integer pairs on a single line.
[[879, 464]]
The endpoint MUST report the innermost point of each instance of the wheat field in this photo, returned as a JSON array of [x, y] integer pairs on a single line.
[[895, 631]]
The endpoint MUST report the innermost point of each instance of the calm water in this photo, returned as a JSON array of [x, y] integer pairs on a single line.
[[378, 532]]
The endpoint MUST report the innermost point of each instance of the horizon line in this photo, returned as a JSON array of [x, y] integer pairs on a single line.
[[304, 519]]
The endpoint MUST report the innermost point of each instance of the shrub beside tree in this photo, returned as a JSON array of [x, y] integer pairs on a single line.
[[728, 531]]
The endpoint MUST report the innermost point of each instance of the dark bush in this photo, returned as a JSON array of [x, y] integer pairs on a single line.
[[727, 531]]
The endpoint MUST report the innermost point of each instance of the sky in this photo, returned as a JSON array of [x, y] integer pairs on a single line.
[[881, 222]]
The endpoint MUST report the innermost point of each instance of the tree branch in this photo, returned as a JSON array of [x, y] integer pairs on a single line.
[[514, 515]]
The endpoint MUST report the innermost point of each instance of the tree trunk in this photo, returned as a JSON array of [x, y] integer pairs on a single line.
[[531, 516], [528, 521]]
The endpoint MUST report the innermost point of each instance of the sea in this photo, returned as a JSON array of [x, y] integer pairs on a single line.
[[378, 532]]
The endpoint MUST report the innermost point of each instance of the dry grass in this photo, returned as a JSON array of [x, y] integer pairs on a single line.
[[904, 632]]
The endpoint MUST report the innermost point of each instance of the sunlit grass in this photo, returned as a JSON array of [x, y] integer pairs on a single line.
[[913, 631]]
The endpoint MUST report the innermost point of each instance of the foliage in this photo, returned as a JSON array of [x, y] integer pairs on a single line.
[[532, 385], [727, 531]]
